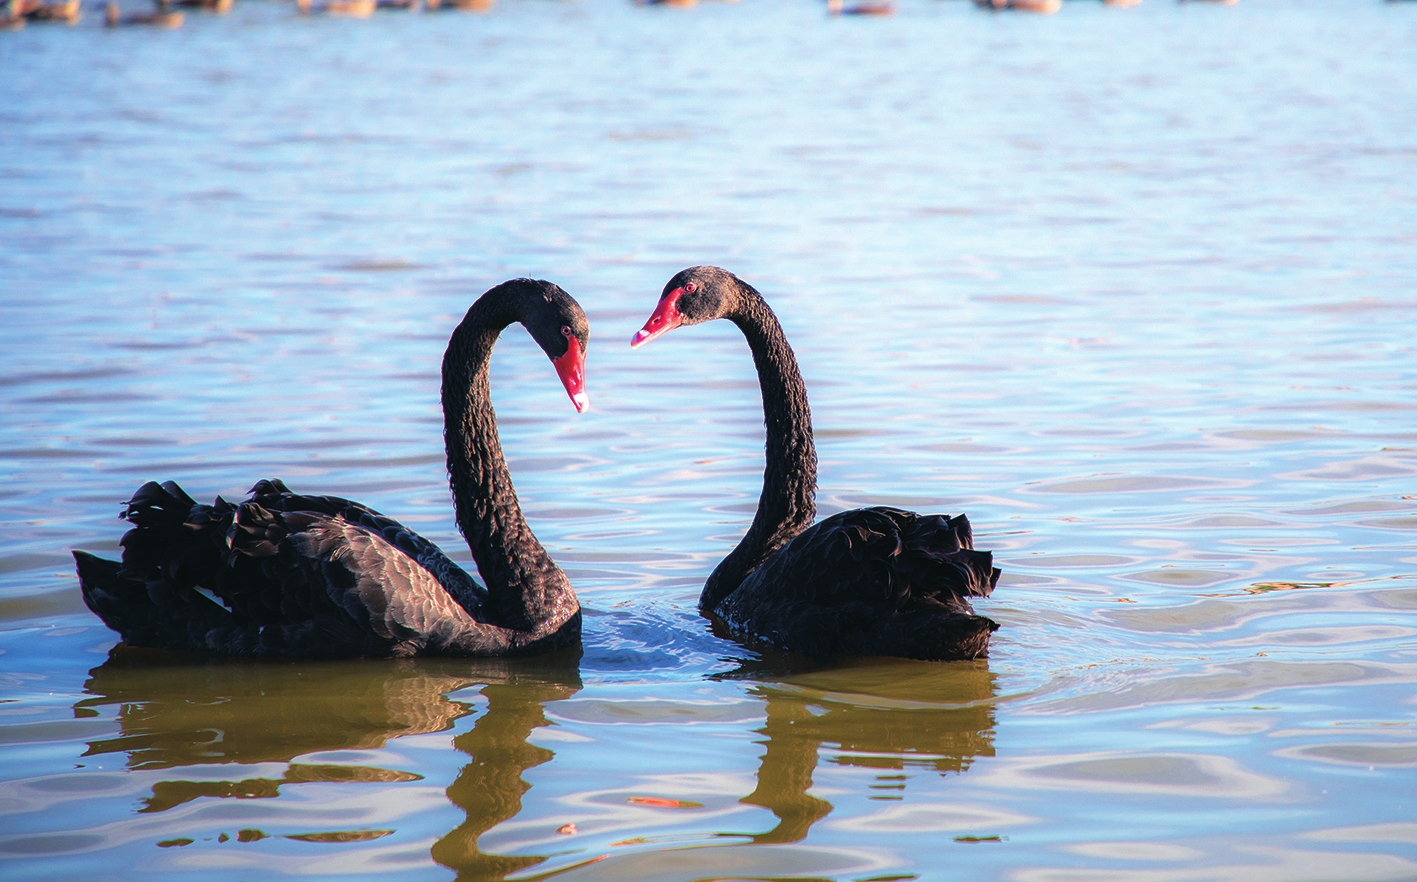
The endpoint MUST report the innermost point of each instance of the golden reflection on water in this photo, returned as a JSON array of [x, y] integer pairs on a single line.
[[903, 724], [177, 710], [182, 713], [319, 724], [490, 787], [885, 715]]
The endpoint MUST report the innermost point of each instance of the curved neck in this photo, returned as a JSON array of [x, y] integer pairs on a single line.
[[523, 582], [788, 502]]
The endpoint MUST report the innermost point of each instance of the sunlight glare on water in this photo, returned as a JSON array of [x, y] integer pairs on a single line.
[[1134, 288]]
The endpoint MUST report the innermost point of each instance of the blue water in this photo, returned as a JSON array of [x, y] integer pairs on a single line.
[[1134, 288]]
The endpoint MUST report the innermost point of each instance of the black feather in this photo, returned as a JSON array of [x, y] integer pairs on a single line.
[[282, 574], [874, 581]]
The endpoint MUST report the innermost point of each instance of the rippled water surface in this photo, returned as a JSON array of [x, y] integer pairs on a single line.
[[1135, 288]]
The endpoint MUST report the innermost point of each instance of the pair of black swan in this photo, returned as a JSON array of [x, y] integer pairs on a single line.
[[287, 575]]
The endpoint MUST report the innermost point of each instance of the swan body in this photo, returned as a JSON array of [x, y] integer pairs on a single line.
[[220, 7], [284, 574], [871, 581], [1045, 7], [162, 18], [62, 11], [341, 8], [839, 7], [463, 5]]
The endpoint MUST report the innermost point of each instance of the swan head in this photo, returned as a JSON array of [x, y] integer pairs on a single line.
[[559, 326], [697, 294]]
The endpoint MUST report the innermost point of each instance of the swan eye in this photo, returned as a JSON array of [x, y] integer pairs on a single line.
[[567, 332], [691, 287]]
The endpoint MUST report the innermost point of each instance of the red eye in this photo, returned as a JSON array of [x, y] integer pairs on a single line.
[[566, 331], [691, 287]]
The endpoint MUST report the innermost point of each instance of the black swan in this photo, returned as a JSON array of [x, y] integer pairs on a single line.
[[345, 8], [873, 581], [62, 11], [839, 7], [1046, 7], [316, 576], [160, 18]]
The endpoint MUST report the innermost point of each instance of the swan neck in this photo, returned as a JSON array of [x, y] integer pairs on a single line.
[[787, 505], [523, 582]]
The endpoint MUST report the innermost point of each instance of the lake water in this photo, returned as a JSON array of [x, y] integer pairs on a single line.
[[1134, 288]]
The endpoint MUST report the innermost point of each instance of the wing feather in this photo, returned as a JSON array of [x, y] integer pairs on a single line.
[[866, 580], [284, 574]]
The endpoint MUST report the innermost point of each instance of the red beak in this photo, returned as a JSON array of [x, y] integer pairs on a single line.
[[571, 369], [664, 319]]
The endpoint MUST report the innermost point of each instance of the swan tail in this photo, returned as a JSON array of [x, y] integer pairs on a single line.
[[267, 487], [159, 614], [149, 613], [159, 504], [963, 573], [105, 591], [158, 595], [941, 554], [175, 539]]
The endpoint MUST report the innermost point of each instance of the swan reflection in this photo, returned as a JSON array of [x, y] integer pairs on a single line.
[[490, 787], [196, 732], [890, 715], [183, 713]]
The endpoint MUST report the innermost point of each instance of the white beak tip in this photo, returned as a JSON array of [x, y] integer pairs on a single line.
[[581, 401]]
